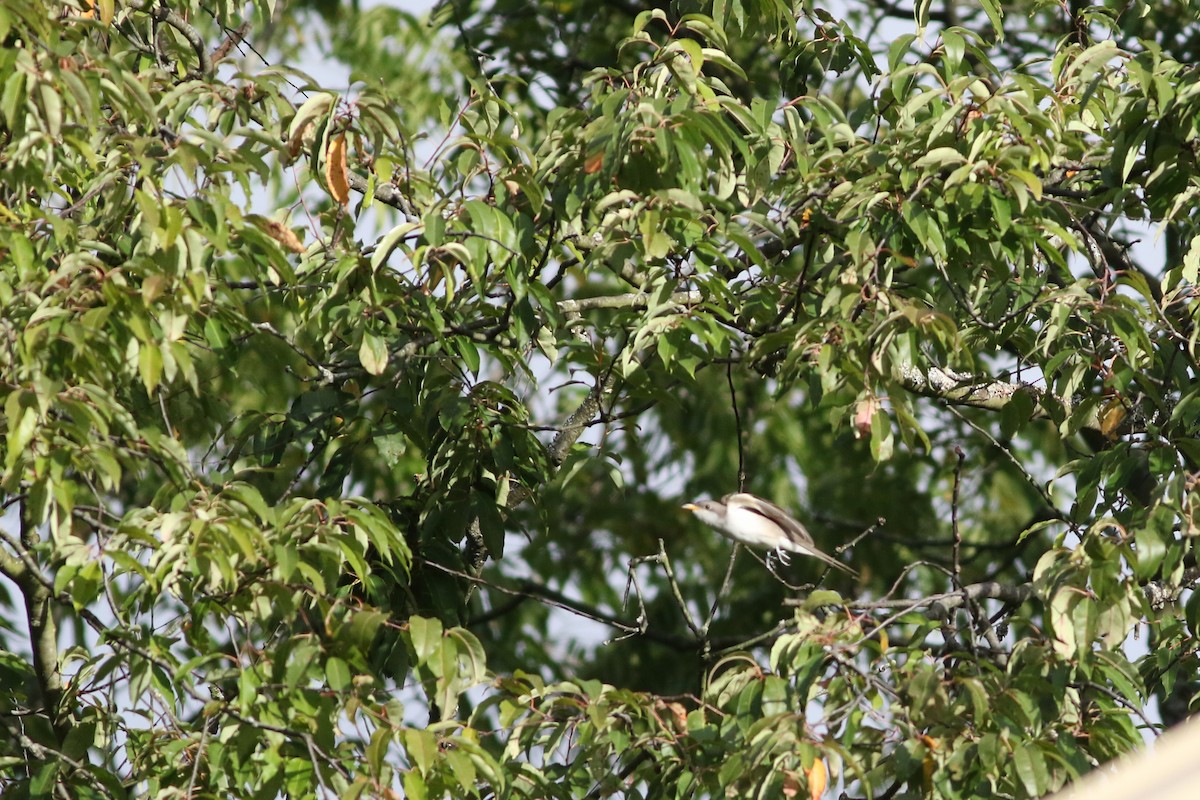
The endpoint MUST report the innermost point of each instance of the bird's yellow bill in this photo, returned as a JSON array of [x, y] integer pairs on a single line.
[[690, 506]]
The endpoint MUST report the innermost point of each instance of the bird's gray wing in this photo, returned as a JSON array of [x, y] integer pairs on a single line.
[[786, 522]]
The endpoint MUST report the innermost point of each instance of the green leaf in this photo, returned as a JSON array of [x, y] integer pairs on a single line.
[[940, 157], [337, 674], [425, 634], [150, 366], [390, 241], [422, 749], [313, 109], [1063, 611], [1150, 542], [1191, 262], [995, 14], [881, 436], [1031, 768], [19, 435]]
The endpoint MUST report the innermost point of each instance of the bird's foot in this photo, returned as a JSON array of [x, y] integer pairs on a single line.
[[782, 556]]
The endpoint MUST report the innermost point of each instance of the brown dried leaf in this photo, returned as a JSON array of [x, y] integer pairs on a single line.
[[296, 143], [284, 235], [679, 716]]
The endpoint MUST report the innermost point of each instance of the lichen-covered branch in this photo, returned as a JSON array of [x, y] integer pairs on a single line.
[[36, 590], [962, 389], [164, 14], [578, 421], [628, 300]]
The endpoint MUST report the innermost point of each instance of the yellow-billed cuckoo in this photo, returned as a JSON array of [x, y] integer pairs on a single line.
[[762, 524]]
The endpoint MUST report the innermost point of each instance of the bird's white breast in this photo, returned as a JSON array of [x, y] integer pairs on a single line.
[[756, 530]]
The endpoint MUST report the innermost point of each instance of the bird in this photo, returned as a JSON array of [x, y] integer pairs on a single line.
[[760, 523]]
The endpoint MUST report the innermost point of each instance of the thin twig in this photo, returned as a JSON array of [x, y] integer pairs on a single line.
[[737, 420], [712, 612], [1033, 482], [631, 579], [955, 530], [1123, 701], [850, 545], [665, 561]]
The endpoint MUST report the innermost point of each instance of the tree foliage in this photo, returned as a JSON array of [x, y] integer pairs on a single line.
[[345, 423]]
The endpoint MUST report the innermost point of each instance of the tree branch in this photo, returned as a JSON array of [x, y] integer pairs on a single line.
[[36, 590], [628, 300], [530, 590], [962, 389], [164, 14], [577, 423], [385, 193]]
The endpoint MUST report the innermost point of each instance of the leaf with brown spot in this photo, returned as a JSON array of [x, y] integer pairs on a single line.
[[593, 163]]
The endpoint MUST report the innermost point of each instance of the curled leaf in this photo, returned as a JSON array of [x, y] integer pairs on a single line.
[[304, 123]]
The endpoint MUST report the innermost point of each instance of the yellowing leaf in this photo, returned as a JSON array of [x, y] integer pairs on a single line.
[[373, 354], [818, 777], [153, 287], [1111, 417], [928, 763], [336, 174]]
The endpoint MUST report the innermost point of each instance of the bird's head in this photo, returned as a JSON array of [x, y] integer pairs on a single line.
[[710, 512]]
